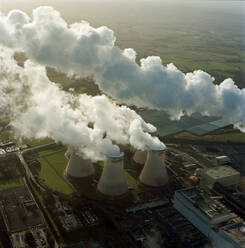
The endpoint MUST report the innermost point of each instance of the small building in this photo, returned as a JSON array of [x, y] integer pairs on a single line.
[[225, 175], [222, 160]]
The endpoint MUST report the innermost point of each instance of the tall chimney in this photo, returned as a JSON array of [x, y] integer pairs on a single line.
[[154, 173], [140, 157], [112, 182], [78, 167]]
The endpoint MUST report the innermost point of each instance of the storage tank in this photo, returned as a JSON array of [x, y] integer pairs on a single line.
[[112, 182], [78, 167], [154, 173]]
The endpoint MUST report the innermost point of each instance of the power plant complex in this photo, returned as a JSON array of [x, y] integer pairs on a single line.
[[207, 210]]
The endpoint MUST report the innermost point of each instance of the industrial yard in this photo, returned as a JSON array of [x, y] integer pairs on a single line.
[[81, 204], [140, 206]]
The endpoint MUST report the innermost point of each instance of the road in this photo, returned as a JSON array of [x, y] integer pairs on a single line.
[[25, 165]]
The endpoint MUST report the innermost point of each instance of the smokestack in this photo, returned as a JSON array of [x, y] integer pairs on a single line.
[[140, 157], [154, 173], [78, 167], [113, 182]]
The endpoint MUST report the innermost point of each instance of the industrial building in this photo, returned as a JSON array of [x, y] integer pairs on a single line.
[[154, 173], [112, 183], [78, 167], [235, 200], [222, 160], [225, 175], [211, 217], [22, 218], [180, 229]]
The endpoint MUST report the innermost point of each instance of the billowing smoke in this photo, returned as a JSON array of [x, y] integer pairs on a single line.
[[83, 50], [38, 108]]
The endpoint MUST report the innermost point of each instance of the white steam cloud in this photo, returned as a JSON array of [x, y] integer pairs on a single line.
[[83, 50], [38, 108]]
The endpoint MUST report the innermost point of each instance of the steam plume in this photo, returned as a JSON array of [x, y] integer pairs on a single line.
[[38, 108], [83, 50]]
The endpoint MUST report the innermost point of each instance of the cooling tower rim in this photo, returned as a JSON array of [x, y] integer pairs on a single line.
[[112, 157], [158, 150]]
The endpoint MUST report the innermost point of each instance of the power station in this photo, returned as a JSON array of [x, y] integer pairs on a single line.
[[78, 167], [154, 173], [112, 182]]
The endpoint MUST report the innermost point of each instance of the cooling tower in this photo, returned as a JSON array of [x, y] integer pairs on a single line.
[[78, 167], [154, 173], [113, 182], [140, 157]]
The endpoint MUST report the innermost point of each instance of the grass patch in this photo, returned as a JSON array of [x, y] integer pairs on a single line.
[[52, 179], [130, 179], [11, 183], [58, 162], [37, 142], [235, 137], [50, 152]]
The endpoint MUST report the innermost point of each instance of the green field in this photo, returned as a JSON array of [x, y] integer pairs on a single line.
[[52, 172], [11, 183], [233, 137], [53, 164]]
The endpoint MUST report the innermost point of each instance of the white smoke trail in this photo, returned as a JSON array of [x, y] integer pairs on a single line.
[[38, 108], [84, 50]]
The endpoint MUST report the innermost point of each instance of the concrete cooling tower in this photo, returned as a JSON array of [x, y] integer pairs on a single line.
[[154, 173], [112, 182], [78, 167], [140, 157]]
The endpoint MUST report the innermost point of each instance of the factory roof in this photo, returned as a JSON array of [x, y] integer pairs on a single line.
[[210, 207], [147, 205], [236, 232], [223, 158], [221, 172]]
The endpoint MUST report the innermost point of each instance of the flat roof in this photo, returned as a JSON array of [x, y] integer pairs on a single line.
[[18, 215], [148, 205], [236, 232], [221, 172], [208, 206]]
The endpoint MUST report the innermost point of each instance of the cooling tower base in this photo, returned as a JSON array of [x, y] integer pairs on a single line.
[[147, 186], [136, 165], [111, 197], [78, 179]]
